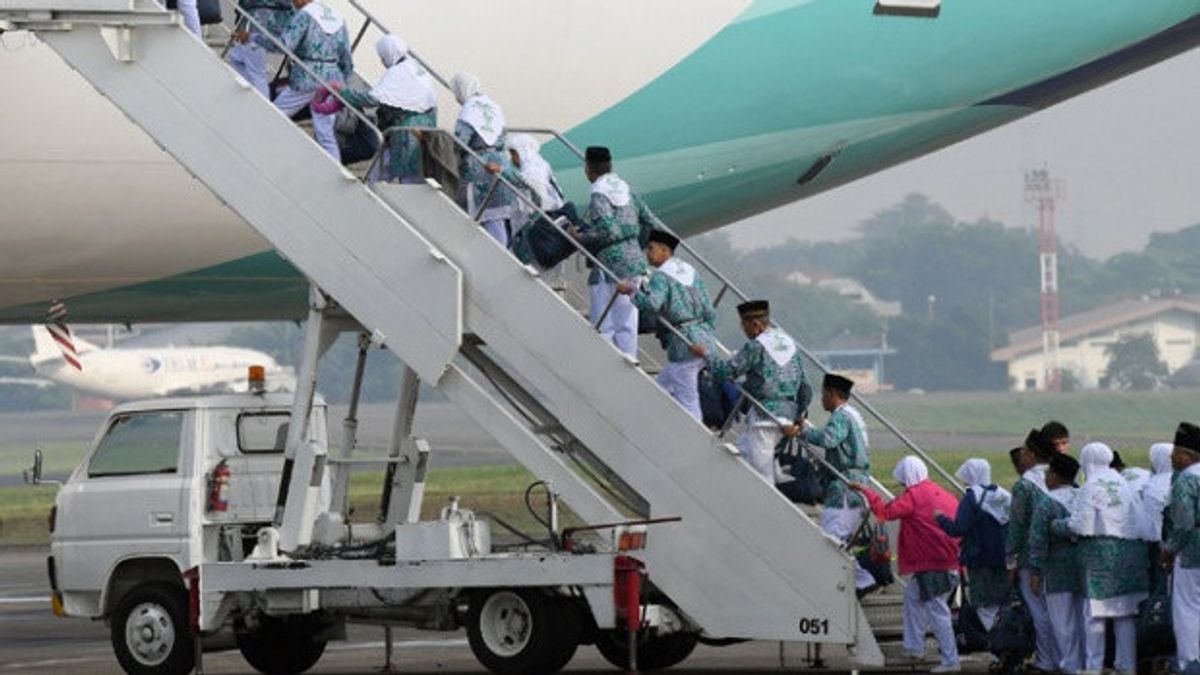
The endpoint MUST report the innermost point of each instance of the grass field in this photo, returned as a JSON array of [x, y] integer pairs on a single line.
[[1089, 414], [497, 490]]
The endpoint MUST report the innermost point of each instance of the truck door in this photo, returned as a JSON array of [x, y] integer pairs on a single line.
[[129, 500]]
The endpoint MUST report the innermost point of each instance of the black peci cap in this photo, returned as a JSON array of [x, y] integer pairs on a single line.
[[1187, 436], [752, 307], [841, 385], [1038, 444], [1065, 466], [597, 154], [665, 238]]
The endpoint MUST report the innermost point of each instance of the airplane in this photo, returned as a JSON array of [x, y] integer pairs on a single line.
[[128, 373], [714, 110]]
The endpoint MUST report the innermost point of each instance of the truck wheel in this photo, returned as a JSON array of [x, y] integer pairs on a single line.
[[653, 653], [522, 631], [150, 633], [279, 647]]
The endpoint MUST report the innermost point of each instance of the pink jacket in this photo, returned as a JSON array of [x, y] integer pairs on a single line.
[[923, 546]]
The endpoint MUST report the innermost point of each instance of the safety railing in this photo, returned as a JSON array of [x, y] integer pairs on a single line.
[[536, 211]]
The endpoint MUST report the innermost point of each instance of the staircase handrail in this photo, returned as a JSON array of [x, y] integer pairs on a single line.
[[726, 283]]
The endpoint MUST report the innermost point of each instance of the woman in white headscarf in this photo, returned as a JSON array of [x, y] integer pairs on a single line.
[[542, 243], [405, 98], [1107, 517], [481, 126], [925, 552], [1155, 496], [982, 523]]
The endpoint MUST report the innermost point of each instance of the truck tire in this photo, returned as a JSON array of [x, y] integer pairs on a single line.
[[520, 631], [653, 653], [281, 647], [150, 633]]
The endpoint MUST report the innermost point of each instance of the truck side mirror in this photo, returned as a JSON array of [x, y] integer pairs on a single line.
[[33, 475]]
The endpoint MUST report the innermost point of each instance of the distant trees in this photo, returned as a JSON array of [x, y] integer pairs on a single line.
[[1133, 362]]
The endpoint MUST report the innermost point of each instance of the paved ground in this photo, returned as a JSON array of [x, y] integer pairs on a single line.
[[32, 640]]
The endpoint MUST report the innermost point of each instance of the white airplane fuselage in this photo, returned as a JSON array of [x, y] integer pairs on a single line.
[[715, 111]]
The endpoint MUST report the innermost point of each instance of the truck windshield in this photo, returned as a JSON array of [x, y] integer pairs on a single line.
[[139, 443]]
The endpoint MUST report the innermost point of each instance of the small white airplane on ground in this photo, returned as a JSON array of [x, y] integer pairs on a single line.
[[143, 373]]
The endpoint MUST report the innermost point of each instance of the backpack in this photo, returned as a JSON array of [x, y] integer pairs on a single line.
[[874, 552], [1013, 638]]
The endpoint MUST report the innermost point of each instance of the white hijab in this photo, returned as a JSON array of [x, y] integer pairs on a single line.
[[1107, 505], [405, 84], [1157, 492], [484, 115], [613, 188], [536, 171], [910, 471], [976, 474], [329, 20], [1037, 475]]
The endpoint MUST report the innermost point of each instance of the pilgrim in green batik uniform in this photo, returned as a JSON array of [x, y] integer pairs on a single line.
[[1107, 518], [405, 98], [613, 223], [1031, 461], [1054, 559], [844, 438], [675, 293], [1182, 546]]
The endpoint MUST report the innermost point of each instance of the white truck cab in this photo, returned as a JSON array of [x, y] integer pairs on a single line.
[[167, 485]]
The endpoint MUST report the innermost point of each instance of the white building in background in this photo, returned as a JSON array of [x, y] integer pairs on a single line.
[[851, 289], [1085, 337]]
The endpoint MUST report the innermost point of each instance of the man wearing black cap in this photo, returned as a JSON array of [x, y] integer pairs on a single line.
[[676, 294], [613, 222], [1181, 550], [773, 369], [1055, 563], [1034, 462], [844, 438]]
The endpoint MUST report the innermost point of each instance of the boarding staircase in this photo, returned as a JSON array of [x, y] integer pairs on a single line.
[[418, 274]]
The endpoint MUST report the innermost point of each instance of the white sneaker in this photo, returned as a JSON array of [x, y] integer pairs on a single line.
[[946, 668]]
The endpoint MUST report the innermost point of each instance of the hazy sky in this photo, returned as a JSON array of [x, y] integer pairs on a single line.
[[1129, 154]]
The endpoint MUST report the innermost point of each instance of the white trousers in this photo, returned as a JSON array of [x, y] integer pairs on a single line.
[[988, 615], [190, 15], [498, 229], [1125, 632], [1185, 613], [924, 616], [291, 102], [250, 61], [843, 523], [1047, 656], [681, 379], [1066, 612], [620, 326], [757, 444]]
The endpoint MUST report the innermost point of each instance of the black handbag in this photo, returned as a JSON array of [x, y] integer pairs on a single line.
[[969, 632], [1155, 631], [1013, 638], [806, 486]]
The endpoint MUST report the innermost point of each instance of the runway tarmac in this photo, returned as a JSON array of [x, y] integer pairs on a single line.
[[33, 640]]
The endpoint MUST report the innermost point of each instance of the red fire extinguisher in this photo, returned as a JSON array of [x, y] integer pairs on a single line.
[[218, 480]]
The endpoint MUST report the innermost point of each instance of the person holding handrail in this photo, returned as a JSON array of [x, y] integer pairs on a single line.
[[613, 225], [536, 239], [404, 97], [481, 127], [926, 553], [249, 53], [772, 370], [317, 36], [844, 438], [675, 293]]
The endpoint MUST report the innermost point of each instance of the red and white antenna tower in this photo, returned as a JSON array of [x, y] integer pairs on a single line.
[[1045, 193]]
